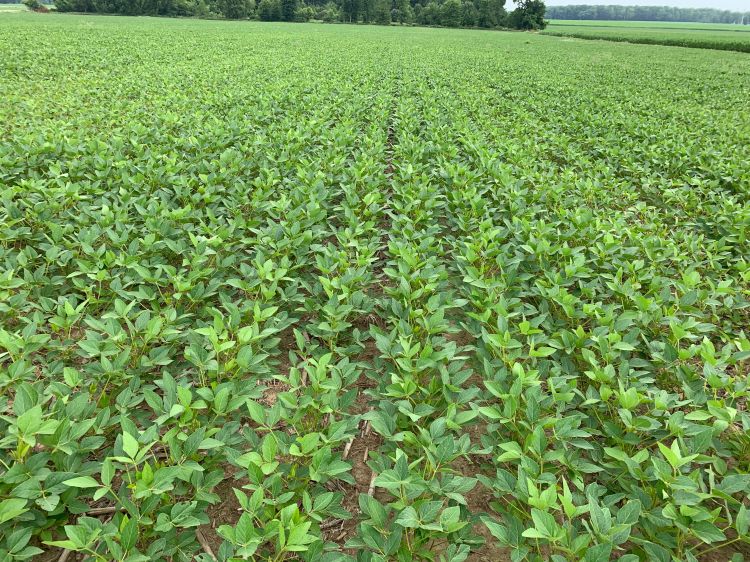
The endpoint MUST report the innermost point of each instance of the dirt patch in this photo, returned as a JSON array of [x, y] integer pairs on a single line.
[[478, 500], [273, 389], [489, 552], [362, 474], [226, 512]]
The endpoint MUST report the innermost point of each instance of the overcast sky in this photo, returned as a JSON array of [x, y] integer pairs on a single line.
[[736, 5]]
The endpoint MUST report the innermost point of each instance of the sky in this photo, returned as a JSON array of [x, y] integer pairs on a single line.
[[734, 5]]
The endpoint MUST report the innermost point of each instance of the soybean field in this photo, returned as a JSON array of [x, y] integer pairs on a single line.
[[729, 37], [304, 292]]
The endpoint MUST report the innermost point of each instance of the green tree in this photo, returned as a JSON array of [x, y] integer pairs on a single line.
[[32, 4], [195, 8], [490, 13], [288, 9], [529, 14], [74, 6], [350, 10], [269, 10], [367, 10], [450, 13], [429, 14], [304, 12], [382, 15], [468, 14], [235, 9], [328, 13], [404, 13]]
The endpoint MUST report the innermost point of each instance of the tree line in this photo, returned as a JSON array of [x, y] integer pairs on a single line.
[[528, 14], [647, 13]]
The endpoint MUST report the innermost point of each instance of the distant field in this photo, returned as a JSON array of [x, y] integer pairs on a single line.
[[653, 25], [12, 8], [704, 35]]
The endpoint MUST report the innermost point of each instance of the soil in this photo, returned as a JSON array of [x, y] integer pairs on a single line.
[[225, 512]]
